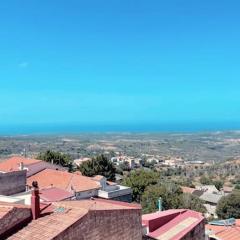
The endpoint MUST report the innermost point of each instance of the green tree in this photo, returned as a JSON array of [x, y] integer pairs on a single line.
[[189, 201], [138, 180], [218, 184], [55, 158], [124, 167], [99, 165], [169, 192], [229, 206], [237, 187], [205, 180]]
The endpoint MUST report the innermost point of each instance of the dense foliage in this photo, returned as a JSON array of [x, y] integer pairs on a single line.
[[229, 206], [170, 194], [208, 181], [99, 165], [139, 180], [205, 180], [172, 197], [149, 186], [190, 201], [59, 158]]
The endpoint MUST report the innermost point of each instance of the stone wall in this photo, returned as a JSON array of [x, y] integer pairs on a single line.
[[106, 225], [12, 182]]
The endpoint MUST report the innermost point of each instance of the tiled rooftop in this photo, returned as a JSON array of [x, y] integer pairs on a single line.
[[98, 178], [5, 210], [63, 216], [98, 204], [11, 215], [54, 194], [63, 180], [12, 164], [52, 225], [225, 232], [188, 189]]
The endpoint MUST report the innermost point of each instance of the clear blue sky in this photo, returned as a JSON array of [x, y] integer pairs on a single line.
[[119, 61]]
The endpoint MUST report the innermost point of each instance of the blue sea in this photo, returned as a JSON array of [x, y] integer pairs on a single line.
[[45, 129]]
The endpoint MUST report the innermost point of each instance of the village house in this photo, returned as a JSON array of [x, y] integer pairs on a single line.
[[12, 182], [132, 162], [50, 176], [32, 166], [83, 220], [82, 187], [78, 162], [210, 196]]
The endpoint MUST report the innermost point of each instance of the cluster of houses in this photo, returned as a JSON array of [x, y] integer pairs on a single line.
[[158, 161], [134, 162], [210, 195], [39, 200], [21, 172]]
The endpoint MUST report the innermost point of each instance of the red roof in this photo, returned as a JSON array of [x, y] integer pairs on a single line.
[[225, 232], [179, 223], [123, 205], [12, 216], [12, 164], [156, 215], [158, 219], [188, 189], [54, 194], [98, 178], [63, 180], [64, 214]]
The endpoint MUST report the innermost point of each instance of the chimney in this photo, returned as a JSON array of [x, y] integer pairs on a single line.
[[35, 201], [21, 166]]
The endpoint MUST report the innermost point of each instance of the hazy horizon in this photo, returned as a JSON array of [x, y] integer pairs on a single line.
[[58, 129]]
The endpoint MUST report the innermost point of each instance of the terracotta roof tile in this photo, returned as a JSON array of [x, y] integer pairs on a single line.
[[64, 215], [188, 189], [63, 180], [98, 204], [15, 213], [12, 164], [54, 194], [225, 232], [98, 178]]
